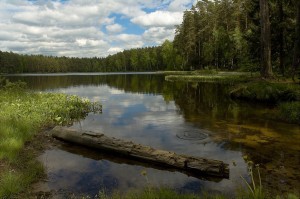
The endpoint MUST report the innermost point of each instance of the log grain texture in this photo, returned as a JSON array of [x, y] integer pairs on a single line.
[[201, 166]]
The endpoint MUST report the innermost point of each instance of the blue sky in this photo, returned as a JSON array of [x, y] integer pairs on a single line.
[[81, 28]]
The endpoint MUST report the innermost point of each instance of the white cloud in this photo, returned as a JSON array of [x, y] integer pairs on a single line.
[[114, 50], [159, 18], [180, 5], [128, 40], [158, 34], [114, 28], [75, 27]]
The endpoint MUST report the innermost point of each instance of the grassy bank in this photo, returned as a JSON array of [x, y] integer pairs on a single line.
[[285, 95], [250, 87], [22, 115], [208, 76], [265, 91]]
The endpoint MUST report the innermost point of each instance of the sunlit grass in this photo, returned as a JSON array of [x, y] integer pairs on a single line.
[[22, 115], [10, 183], [208, 76]]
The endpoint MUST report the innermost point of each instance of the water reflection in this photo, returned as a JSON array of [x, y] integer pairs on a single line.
[[189, 118], [105, 171]]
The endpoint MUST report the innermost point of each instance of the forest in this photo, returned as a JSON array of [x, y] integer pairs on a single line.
[[244, 35]]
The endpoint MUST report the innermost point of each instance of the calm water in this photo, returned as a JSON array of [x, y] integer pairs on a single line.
[[189, 118]]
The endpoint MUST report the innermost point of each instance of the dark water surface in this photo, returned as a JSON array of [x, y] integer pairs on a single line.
[[189, 118]]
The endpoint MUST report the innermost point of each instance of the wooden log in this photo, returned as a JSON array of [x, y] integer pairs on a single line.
[[202, 166]]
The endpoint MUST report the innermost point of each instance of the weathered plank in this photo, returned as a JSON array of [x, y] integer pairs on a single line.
[[166, 158]]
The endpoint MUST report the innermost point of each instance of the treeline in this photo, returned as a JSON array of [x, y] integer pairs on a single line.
[[143, 59], [16, 63], [248, 35]]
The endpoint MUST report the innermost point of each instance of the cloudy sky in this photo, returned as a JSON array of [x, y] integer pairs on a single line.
[[87, 28]]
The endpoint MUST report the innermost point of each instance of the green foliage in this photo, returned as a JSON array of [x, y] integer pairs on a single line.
[[9, 184], [255, 191], [267, 92], [290, 112], [22, 115], [220, 34], [225, 34], [156, 193], [210, 76], [140, 59], [13, 181], [204, 72], [167, 193]]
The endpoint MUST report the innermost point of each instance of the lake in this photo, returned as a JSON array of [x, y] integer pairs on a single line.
[[189, 118]]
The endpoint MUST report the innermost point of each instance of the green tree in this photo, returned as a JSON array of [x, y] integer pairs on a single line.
[[169, 55], [296, 57], [265, 39]]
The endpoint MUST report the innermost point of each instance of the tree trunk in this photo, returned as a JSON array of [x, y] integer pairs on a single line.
[[296, 57], [265, 39], [202, 166], [281, 39], [199, 54]]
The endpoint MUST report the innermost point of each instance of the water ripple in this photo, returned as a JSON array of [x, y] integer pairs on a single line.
[[191, 134]]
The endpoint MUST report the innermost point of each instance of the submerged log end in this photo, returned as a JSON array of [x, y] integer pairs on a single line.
[[211, 167]]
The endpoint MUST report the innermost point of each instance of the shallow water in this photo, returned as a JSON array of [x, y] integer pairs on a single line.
[[189, 118]]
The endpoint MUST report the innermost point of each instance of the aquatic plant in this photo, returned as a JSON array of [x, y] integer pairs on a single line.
[[256, 191], [290, 112]]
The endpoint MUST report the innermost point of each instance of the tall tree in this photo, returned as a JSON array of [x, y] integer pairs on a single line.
[[265, 39], [296, 58]]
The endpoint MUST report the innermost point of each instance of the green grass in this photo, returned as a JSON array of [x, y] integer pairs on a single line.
[[22, 115], [196, 72], [156, 193], [209, 76], [167, 193]]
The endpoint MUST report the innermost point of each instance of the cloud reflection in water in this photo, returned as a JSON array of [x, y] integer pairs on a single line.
[[142, 118]]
